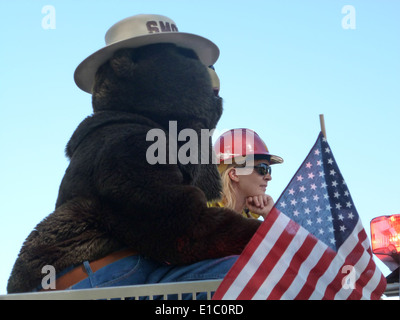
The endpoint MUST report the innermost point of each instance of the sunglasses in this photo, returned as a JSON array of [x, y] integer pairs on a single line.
[[263, 169]]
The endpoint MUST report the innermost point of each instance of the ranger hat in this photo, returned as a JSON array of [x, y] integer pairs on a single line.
[[138, 31]]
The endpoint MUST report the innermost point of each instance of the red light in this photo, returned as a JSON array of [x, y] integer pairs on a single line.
[[385, 234]]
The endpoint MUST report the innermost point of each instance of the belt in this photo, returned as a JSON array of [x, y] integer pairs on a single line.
[[79, 273]]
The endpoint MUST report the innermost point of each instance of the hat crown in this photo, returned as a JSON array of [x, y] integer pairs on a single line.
[[139, 25], [138, 31], [242, 142]]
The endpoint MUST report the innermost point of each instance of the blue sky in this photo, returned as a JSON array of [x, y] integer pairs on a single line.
[[282, 63]]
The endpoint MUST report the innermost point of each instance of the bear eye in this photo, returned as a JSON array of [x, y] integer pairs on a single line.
[[214, 80]]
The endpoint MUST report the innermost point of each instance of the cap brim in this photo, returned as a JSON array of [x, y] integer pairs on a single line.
[[206, 50]]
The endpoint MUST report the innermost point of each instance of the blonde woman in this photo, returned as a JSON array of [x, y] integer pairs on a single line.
[[245, 168]]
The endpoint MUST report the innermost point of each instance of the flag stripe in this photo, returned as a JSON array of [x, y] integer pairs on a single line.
[[336, 264], [289, 277], [284, 239], [242, 261], [368, 276], [381, 286], [282, 266], [236, 277], [362, 281], [275, 272], [337, 283], [305, 270], [363, 269], [315, 274]]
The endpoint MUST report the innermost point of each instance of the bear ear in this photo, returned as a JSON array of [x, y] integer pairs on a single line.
[[122, 63]]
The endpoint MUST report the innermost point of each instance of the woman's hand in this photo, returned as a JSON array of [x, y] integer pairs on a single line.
[[260, 204]]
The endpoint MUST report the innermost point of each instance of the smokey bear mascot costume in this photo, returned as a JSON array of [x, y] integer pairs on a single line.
[[122, 218]]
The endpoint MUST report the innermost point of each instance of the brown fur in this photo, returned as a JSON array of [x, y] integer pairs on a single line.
[[112, 198]]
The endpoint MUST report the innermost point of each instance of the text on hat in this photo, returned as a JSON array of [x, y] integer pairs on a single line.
[[154, 26]]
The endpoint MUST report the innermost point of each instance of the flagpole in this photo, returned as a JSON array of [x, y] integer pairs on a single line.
[[322, 122]]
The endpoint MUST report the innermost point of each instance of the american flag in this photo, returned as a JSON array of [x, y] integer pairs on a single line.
[[311, 245]]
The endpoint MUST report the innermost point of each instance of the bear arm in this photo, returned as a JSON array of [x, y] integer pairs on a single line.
[[156, 213]]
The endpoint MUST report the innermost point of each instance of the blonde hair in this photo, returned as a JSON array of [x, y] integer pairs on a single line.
[[227, 194], [228, 197]]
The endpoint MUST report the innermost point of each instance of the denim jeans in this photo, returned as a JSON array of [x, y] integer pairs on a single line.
[[137, 269]]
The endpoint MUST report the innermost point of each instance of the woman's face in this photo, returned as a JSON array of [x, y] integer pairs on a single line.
[[254, 183]]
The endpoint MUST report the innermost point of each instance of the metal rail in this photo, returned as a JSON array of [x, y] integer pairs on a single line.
[[190, 290]]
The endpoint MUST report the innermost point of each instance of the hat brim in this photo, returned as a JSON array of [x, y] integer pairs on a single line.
[[273, 159], [206, 50]]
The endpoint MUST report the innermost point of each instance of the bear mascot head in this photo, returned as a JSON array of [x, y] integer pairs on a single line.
[[126, 185]]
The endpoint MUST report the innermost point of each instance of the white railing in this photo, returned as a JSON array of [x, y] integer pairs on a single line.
[[175, 291], [165, 291], [393, 290]]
